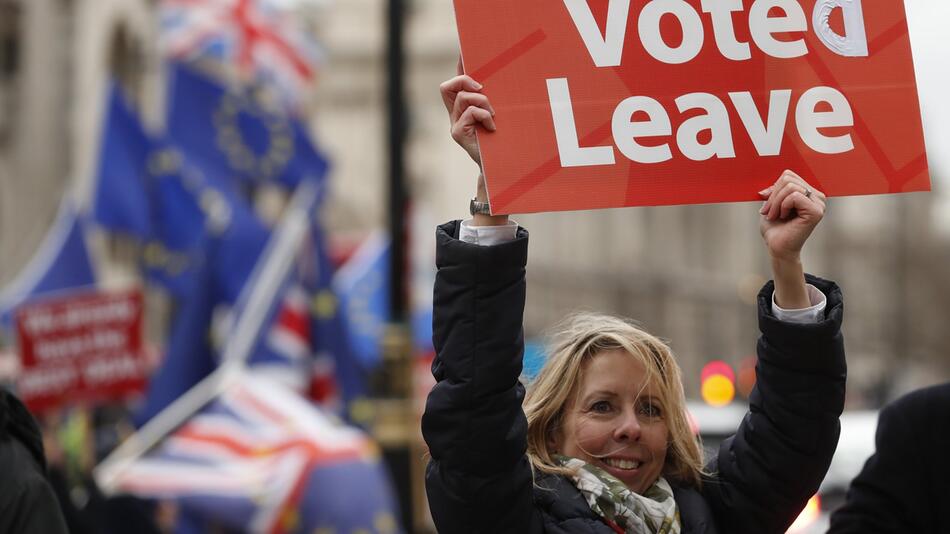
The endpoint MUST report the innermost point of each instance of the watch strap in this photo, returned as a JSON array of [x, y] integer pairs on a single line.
[[479, 208]]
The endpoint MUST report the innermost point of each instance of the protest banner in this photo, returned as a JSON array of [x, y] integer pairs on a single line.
[[81, 347], [609, 103]]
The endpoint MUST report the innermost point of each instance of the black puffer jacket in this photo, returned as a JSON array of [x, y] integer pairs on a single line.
[[27, 502], [479, 479]]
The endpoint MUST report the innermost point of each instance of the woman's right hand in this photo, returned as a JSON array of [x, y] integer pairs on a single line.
[[468, 108]]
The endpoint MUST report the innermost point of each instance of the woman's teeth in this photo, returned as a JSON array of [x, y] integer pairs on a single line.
[[621, 464]]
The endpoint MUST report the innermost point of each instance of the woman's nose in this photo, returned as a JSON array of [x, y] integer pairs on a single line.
[[629, 428]]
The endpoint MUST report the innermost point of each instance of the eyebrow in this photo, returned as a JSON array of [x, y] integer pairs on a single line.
[[600, 393], [611, 394]]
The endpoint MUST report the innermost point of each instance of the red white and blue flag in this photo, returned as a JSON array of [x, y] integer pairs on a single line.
[[256, 39], [285, 350], [289, 355], [253, 459], [240, 450]]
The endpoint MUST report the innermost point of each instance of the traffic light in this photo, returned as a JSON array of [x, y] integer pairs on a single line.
[[718, 383]]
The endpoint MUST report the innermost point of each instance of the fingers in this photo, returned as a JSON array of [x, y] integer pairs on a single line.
[[778, 197], [465, 100], [464, 128], [459, 69], [803, 206], [451, 88], [789, 184], [787, 177]]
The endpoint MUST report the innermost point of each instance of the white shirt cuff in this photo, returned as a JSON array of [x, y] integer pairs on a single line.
[[487, 235], [812, 314]]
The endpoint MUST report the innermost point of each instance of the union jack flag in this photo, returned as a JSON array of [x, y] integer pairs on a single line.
[[252, 461], [287, 355], [257, 39], [285, 349]]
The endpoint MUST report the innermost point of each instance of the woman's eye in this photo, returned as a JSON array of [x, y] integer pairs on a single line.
[[600, 407], [650, 409]]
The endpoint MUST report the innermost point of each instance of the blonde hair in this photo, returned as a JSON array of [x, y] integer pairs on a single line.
[[575, 341]]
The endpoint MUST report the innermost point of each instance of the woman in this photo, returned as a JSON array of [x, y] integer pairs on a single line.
[[600, 443]]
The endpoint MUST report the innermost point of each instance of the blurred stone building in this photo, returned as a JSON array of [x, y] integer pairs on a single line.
[[687, 273]]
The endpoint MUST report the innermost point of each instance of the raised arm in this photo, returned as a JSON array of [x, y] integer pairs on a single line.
[[468, 111], [791, 212], [763, 476], [478, 478]]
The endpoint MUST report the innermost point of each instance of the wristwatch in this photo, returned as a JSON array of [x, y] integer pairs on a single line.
[[479, 208]]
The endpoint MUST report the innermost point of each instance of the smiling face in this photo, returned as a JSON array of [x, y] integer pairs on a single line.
[[615, 420]]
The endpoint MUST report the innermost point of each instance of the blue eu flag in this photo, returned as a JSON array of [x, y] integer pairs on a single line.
[[140, 191], [121, 198], [330, 330], [189, 354], [146, 188], [191, 219], [348, 497], [228, 255], [62, 262], [363, 287], [175, 248], [238, 136]]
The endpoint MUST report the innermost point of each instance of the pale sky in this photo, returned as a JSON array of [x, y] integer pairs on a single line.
[[929, 22]]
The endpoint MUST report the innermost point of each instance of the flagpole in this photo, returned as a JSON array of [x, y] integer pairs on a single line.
[[255, 301], [394, 417], [261, 288], [398, 203]]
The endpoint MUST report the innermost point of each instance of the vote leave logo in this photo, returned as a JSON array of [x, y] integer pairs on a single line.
[[608, 103]]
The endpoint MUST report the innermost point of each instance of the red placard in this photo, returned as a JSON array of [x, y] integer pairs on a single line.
[[748, 87], [82, 347]]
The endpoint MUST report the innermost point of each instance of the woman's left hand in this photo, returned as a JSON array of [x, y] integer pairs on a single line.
[[791, 212]]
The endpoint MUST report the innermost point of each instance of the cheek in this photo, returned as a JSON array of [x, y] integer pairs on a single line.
[[585, 435], [657, 439]]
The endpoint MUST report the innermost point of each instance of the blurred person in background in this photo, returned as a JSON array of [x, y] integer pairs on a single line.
[[600, 442], [905, 486], [76, 440], [27, 501]]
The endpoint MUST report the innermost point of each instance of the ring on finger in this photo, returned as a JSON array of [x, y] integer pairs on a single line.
[[807, 193]]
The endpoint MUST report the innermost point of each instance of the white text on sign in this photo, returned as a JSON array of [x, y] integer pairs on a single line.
[[766, 133]]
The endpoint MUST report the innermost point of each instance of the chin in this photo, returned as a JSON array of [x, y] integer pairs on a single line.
[[637, 486]]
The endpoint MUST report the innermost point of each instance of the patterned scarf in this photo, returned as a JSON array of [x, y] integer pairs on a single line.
[[654, 512]]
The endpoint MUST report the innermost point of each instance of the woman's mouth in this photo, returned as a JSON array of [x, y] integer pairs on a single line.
[[622, 464]]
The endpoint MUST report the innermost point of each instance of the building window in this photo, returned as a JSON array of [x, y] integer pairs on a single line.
[[9, 66]]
